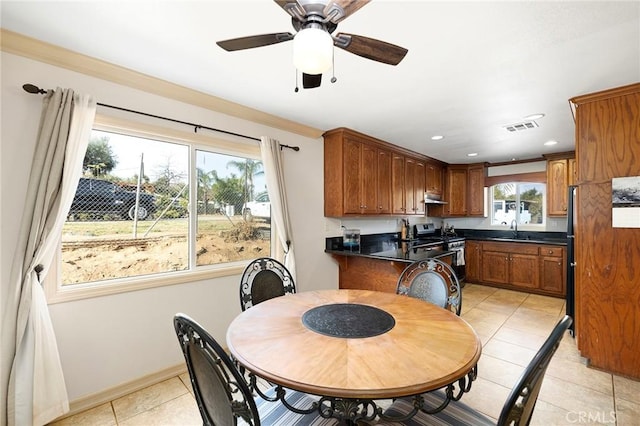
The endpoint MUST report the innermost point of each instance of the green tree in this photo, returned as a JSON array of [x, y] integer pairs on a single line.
[[535, 204], [99, 158], [229, 190], [206, 180], [248, 170]]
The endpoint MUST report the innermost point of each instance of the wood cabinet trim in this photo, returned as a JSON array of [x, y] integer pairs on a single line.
[[381, 144], [606, 94], [540, 177]]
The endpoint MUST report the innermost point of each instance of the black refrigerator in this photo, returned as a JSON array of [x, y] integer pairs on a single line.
[[571, 259]]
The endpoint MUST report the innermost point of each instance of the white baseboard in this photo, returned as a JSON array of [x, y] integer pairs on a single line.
[[91, 401]]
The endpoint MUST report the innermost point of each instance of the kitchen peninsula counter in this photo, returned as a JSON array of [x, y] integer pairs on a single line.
[[379, 263]]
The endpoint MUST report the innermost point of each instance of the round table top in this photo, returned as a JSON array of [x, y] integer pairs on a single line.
[[427, 348]]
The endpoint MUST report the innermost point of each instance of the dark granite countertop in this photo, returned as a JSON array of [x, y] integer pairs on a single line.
[[525, 240], [386, 246], [398, 255], [530, 237]]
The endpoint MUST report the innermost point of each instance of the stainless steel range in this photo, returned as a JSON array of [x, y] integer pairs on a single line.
[[426, 235]]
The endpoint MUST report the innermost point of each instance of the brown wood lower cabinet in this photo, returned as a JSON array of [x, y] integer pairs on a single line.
[[534, 268], [365, 273], [473, 260], [552, 269]]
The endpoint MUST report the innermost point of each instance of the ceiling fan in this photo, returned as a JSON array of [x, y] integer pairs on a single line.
[[314, 22]]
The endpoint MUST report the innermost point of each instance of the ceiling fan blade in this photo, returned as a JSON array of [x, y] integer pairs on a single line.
[[370, 48], [250, 42], [342, 9], [293, 8], [309, 81]]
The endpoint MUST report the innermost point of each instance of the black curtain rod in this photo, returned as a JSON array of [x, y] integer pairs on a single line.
[[31, 88]]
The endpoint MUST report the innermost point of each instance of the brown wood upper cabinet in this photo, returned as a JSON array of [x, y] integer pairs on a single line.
[[476, 189], [560, 174], [397, 184], [366, 176], [434, 180], [384, 182], [408, 178], [414, 185], [354, 183], [463, 191]]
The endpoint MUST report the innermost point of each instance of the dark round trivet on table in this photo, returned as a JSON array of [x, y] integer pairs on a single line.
[[348, 320]]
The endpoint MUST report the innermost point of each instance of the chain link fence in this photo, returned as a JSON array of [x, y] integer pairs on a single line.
[[118, 229]]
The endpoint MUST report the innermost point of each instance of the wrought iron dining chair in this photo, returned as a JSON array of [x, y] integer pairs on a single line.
[[223, 396], [433, 281], [517, 409], [263, 279]]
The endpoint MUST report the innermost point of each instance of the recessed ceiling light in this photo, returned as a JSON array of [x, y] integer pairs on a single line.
[[549, 143], [534, 116], [437, 138], [472, 154]]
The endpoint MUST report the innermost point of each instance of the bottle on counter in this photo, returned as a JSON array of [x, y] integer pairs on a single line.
[[403, 230]]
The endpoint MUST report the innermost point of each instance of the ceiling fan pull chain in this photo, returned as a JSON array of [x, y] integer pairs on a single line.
[[296, 89], [333, 66]]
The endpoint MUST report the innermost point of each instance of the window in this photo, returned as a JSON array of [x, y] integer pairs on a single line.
[[523, 202], [153, 204]]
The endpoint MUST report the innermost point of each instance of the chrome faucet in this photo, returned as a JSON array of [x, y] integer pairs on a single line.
[[514, 226]]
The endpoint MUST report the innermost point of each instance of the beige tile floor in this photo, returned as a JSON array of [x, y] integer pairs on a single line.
[[512, 327]]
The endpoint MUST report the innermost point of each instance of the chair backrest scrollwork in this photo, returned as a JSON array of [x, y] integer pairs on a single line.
[[221, 392], [264, 279], [434, 281]]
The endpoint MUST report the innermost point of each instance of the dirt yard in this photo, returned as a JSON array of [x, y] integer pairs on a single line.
[[87, 259]]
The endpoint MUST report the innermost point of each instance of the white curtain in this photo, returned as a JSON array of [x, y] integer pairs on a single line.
[[35, 390], [273, 169]]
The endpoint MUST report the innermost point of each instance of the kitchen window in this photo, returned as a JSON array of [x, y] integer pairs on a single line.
[[157, 206], [522, 202]]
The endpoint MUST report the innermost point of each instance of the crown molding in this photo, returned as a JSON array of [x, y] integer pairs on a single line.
[[37, 50]]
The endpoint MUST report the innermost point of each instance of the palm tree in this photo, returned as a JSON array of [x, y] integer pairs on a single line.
[[248, 169], [206, 180]]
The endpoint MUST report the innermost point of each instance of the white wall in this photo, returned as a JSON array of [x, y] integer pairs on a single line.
[[111, 340]]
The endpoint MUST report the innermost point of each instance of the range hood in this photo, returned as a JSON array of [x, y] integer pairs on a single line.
[[429, 200]]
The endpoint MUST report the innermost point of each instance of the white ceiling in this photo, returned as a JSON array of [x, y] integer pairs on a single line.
[[472, 67]]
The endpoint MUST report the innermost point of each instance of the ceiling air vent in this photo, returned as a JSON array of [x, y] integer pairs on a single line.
[[518, 127]]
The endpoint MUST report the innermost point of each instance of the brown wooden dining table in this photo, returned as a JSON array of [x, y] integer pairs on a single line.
[[353, 347]]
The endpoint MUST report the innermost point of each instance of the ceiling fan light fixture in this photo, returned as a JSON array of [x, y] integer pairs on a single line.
[[312, 51]]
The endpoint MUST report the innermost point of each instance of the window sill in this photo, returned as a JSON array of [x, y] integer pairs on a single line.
[[105, 288]]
